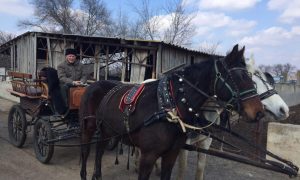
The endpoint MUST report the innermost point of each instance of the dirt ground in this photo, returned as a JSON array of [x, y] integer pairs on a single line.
[[21, 164]]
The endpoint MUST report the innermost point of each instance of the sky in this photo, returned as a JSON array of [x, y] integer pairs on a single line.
[[269, 29]]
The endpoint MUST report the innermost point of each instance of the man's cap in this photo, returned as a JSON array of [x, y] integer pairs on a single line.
[[70, 51]]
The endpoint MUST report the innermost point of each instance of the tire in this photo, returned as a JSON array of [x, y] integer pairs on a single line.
[[113, 142], [42, 133], [17, 126]]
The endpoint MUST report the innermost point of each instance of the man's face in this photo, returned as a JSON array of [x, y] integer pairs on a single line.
[[71, 58]]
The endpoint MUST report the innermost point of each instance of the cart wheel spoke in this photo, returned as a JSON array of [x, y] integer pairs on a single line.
[[17, 125], [42, 133]]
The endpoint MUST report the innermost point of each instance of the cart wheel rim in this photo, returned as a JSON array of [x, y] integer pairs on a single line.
[[17, 126]]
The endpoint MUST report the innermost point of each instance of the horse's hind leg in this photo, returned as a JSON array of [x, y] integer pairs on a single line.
[[85, 151], [100, 147], [86, 137]]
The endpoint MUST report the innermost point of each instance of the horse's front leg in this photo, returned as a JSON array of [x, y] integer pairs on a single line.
[[167, 163], [182, 162], [100, 147], [147, 161], [201, 157]]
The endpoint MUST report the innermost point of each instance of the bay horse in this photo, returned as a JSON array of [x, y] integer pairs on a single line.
[[275, 109], [145, 125]]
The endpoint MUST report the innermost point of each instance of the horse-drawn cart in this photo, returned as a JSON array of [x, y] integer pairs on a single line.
[[36, 109]]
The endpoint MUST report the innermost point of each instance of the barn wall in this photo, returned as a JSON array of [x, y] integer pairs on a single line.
[[138, 71], [172, 58], [167, 59], [26, 54], [57, 52]]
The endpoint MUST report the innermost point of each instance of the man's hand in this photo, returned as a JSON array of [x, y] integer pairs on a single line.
[[76, 83]]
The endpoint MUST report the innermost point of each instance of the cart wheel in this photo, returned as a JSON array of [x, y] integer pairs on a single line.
[[113, 142], [42, 133], [17, 125]]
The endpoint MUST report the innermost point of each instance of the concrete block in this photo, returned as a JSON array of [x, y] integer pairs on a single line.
[[284, 141]]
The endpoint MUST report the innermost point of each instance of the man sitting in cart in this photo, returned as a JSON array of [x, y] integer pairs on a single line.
[[70, 73]]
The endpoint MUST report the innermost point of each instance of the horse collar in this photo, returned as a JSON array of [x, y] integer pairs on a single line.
[[165, 94]]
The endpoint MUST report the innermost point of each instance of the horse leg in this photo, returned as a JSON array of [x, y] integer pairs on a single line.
[[147, 161], [137, 153], [167, 163], [86, 137], [85, 151], [100, 147], [182, 162], [202, 158]]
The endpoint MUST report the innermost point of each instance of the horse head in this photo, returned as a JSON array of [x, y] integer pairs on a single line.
[[234, 85], [274, 105]]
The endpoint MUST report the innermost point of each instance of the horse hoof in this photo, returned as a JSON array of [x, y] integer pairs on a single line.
[[95, 177]]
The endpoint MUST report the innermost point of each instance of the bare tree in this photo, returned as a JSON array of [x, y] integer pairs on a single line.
[[121, 27], [148, 20], [279, 70], [95, 19], [4, 37], [266, 68], [209, 48], [181, 29], [58, 16]]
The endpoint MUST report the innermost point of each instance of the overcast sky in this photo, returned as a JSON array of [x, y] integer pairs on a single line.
[[270, 29]]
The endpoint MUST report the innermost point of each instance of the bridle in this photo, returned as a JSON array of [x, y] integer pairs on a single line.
[[269, 92], [236, 94]]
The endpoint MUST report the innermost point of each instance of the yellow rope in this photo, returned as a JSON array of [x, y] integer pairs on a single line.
[[176, 119]]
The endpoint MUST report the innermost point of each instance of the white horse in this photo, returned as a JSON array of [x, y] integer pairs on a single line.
[[275, 107]]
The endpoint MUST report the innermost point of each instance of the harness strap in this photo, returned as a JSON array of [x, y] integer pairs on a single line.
[[172, 117], [267, 94]]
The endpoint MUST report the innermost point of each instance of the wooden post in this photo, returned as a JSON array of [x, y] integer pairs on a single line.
[[49, 54], [12, 55], [80, 52], [96, 65], [106, 62], [124, 63], [154, 59], [159, 61]]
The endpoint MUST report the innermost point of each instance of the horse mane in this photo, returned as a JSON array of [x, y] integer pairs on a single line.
[[52, 80], [199, 71]]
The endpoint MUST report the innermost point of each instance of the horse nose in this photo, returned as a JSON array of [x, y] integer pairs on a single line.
[[283, 111]]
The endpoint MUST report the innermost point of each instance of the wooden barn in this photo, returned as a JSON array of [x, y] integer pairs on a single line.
[[105, 58]]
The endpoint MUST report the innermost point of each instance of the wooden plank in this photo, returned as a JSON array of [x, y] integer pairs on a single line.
[[158, 61], [18, 94], [19, 75], [106, 62], [49, 53], [124, 63]]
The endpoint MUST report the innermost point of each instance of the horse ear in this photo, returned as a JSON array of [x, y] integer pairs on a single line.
[[235, 48], [242, 51], [270, 78]]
